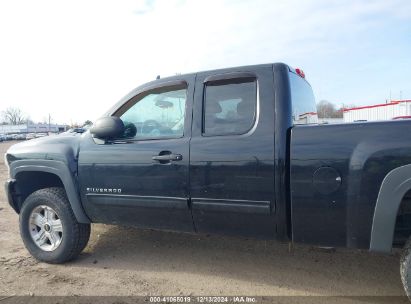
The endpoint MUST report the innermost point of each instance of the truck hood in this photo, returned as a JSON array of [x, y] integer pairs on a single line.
[[64, 148]]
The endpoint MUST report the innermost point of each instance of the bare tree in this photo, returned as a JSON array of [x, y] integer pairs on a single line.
[[13, 116], [326, 109]]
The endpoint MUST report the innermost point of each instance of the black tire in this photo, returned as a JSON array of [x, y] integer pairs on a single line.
[[405, 268], [75, 235]]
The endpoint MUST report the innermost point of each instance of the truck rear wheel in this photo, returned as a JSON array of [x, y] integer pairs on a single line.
[[49, 228]]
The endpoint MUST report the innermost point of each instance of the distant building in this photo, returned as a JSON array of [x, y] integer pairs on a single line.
[[306, 118], [395, 109], [312, 118], [32, 128], [330, 120]]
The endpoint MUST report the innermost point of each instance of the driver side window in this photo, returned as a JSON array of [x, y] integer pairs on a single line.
[[155, 114]]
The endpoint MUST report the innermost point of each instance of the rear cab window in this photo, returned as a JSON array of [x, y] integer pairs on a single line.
[[303, 106], [229, 108]]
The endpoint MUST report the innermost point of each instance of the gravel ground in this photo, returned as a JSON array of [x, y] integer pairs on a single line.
[[124, 261]]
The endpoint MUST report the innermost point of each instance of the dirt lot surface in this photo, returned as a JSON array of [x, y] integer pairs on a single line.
[[125, 261]]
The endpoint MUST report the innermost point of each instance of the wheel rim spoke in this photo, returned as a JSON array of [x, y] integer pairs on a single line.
[[40, 238], [38, 219], [53, 238], [48, 214], [56, 225]]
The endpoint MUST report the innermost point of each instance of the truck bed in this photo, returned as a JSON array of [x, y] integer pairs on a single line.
[[335, 175]]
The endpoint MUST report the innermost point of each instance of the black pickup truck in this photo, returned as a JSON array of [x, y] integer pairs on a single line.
[[235, 151]]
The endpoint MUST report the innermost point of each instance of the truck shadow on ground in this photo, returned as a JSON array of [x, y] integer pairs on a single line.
[[258, 261]]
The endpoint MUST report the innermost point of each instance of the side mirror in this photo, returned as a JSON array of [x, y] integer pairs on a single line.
[[108, 128]]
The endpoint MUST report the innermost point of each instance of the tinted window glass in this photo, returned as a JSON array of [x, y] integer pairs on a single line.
[[229, 108], [156, 115], [304, 109]]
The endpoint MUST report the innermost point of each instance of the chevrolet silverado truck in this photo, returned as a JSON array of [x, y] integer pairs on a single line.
[[236, 151]]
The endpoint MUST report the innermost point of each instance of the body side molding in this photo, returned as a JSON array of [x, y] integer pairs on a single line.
[[393, 188], [140, 201], [227, 205]]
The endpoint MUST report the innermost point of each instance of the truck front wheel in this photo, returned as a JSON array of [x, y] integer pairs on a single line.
[[49, 228], [405, 268]]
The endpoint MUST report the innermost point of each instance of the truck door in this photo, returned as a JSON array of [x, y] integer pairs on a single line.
[[142, 178], [232, 153]]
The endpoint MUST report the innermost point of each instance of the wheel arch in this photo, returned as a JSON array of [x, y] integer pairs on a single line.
[[392, 191], [38, 168]]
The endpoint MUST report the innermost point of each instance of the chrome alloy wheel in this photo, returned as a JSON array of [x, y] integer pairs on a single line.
[[45, 227]]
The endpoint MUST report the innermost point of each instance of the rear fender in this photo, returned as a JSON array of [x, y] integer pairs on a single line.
[[393, 188]]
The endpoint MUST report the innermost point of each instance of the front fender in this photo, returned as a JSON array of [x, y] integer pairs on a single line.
[[59, 169], [393, 188]]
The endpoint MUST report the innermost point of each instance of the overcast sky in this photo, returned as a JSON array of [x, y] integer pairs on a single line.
[[75, 59]]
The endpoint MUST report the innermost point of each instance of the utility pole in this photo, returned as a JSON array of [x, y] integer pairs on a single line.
[[49, 124]]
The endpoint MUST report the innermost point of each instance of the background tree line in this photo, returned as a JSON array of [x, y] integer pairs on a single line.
[[15, 116], [326, 109]]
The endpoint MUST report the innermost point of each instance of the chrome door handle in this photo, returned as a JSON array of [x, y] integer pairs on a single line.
[[168, 157]]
